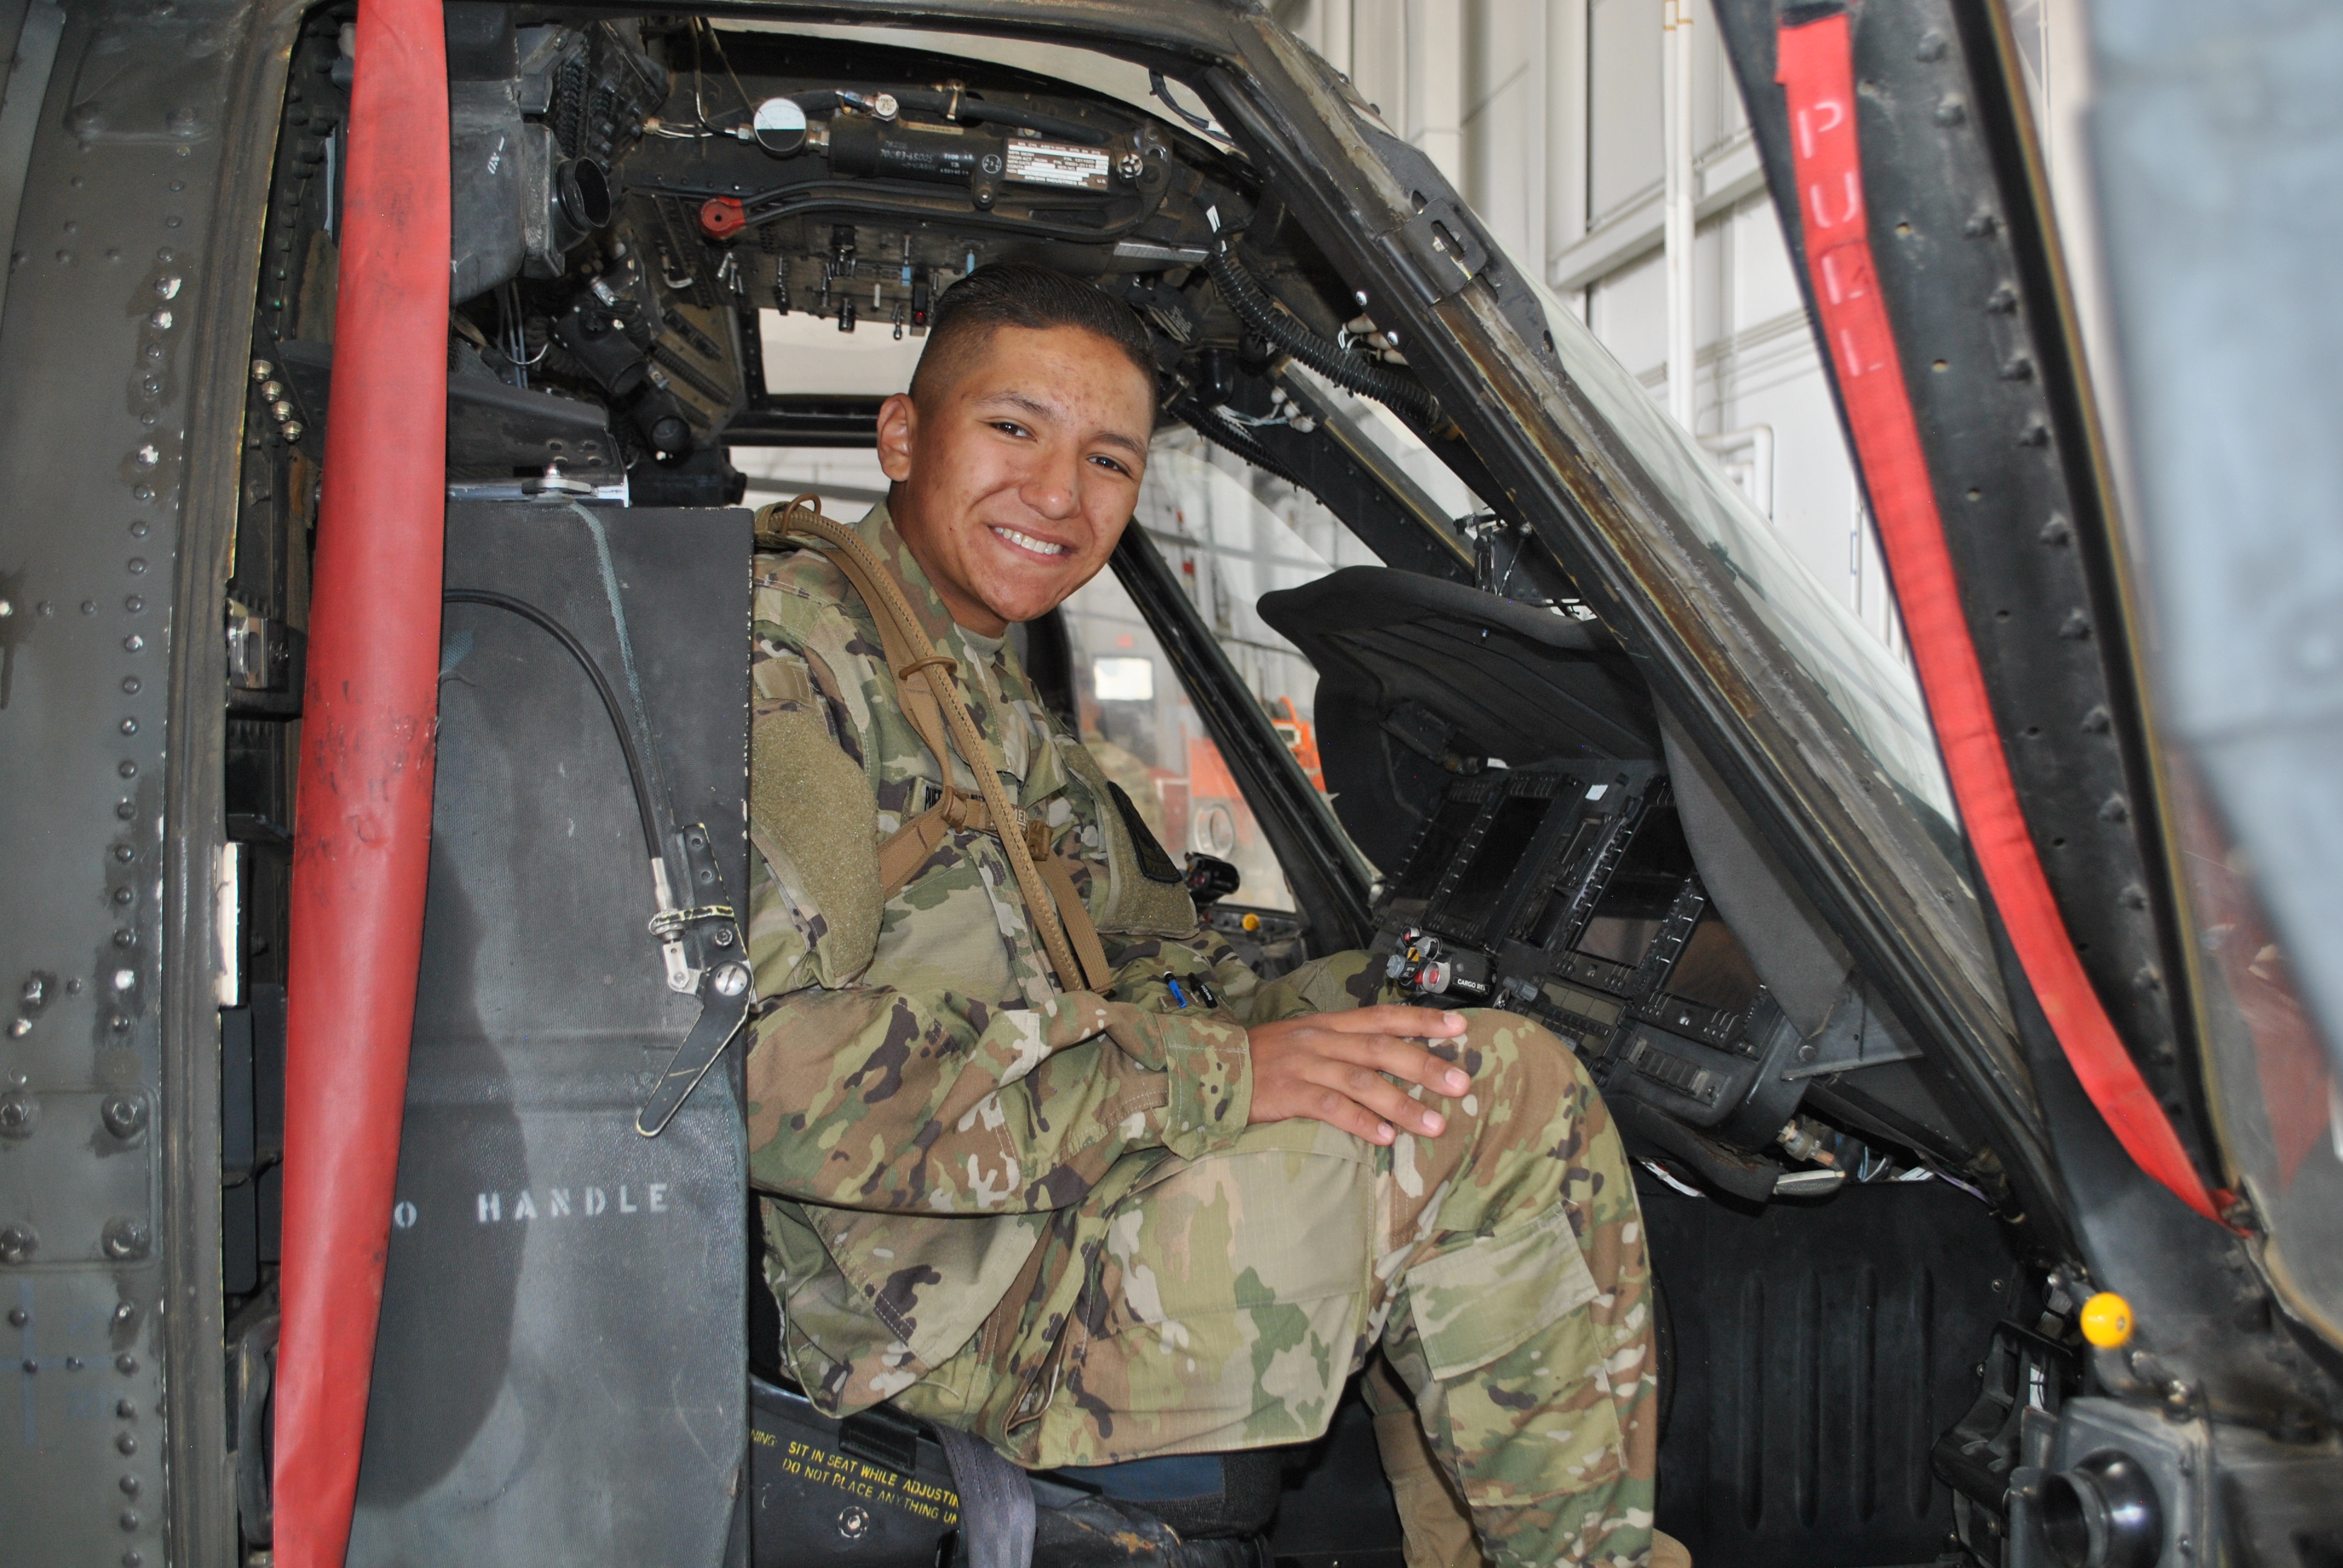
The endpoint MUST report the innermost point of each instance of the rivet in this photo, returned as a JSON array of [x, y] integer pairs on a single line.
[[123, 895], [133, 643], [125, 1116], [126, 1365], [144, 493], [168, 285], [135, 566], [75, 1363], [125, 1409], [18, 1317], [89, 607], [123, 853], [138, 529], [124, 809], [147, 457], [127, 769], [127, 1443], [130, 726], [130, 1486], [129, 1519], [121, 1023], [133, 604], [123, 937], [125, 978], [20, 1028], [132, 1560], [130, 684]]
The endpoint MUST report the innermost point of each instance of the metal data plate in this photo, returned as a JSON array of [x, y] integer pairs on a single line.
[[563, 1329]]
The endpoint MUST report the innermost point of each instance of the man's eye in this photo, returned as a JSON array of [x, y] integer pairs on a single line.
[[1109, 463], [1009, 427]]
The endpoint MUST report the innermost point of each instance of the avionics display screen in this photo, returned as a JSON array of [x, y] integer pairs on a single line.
[[1437, 848], [1636, 900], [1622, 939], [1712, 969], [1497, 857]]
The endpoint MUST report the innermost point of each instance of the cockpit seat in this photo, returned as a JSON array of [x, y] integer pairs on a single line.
[[876, 1490]]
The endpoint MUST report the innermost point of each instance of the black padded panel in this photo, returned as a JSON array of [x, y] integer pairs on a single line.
[[1821, 1349], [563, 1329], [1505, 679]]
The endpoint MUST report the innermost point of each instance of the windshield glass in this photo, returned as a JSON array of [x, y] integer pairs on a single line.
[[1874, 689], [1232, 535]]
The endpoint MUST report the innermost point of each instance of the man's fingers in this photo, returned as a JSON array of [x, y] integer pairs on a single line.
[[1380, 1095], [1409, 1023], [1401, 1059], [1344, 1114]]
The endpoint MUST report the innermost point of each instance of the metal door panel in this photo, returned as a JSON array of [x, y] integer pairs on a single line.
[[563, 1329]]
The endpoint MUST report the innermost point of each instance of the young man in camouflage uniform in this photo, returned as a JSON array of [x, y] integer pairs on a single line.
[[1096, 1217]]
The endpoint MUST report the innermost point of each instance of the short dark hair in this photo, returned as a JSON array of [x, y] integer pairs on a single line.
[[1020, 294]]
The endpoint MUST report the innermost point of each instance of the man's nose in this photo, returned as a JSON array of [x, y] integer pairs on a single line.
[[1053, 485]]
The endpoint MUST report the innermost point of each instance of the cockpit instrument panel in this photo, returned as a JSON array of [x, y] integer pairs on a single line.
[[1566, 891]]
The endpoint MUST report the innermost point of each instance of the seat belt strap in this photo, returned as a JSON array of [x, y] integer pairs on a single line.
[[996, 1501], [927, 679]]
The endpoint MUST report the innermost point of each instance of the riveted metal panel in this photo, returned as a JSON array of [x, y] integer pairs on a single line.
[[106, 350]]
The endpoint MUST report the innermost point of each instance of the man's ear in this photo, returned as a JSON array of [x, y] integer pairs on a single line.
[[898, 423]]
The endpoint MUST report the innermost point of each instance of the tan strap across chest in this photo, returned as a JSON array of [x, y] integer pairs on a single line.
[[933, 702]]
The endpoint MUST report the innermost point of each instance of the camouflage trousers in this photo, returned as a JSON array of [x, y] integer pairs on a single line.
[[1222, 1303]]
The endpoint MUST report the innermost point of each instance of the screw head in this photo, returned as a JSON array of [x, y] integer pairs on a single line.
[[854, 1523], [731, 979], [125, 1238], [18, 1112], [124, 1115], [18, 1243]]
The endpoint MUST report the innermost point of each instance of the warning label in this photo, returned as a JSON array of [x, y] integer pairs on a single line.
[[1057, 163], [869, 1482]]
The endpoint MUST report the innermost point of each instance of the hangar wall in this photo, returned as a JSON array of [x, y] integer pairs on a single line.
[[1547, 114]]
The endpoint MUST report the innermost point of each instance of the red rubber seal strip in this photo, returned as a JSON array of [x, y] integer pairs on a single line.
[[362, 834], [1815, 68]]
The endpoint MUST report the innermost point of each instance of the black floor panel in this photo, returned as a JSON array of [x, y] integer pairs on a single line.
[[1821, 1348]]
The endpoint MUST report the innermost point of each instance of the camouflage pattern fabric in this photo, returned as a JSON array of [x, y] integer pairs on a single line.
[[1041, 1218]]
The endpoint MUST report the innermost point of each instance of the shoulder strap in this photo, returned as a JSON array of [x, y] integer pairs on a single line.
[[912, 657]]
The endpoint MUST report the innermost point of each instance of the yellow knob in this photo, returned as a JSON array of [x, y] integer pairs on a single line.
[[1251, 923], [2107, 1321]]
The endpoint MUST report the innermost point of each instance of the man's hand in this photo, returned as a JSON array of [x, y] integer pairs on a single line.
[[1330, 1066]]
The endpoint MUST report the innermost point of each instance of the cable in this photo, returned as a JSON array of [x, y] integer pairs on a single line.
[[1221, 434], [1404, 392], [602, 687], [1201, 123]]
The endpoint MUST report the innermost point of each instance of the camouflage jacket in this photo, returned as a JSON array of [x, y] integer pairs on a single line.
[[919, 1114]]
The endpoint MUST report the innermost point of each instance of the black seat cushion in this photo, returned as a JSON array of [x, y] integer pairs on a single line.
[[1203, 1496]]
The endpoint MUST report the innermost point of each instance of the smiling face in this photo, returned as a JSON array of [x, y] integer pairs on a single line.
[[1015, 476]]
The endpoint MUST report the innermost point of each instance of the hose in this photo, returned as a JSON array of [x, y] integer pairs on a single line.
[[1385, 386], [362, 835]]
